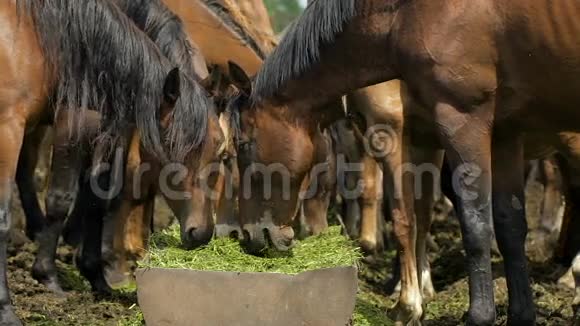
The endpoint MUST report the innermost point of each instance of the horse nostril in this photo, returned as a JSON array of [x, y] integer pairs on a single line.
[[191, 232], [235, 234], [247, 236]]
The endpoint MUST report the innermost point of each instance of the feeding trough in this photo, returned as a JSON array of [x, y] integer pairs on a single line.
[[187, 297], [315, 284]]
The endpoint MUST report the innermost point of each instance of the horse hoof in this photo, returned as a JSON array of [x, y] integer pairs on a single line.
[[117, 279], [49, 280], [567, 280], [101, 288], [406, 315], [8, 317], [369, 247], [55, 288]]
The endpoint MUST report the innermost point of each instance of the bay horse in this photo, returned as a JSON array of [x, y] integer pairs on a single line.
[[131, 213], [484, 73], [224, 34], [71, 63]]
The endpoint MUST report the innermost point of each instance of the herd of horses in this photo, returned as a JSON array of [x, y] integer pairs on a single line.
[[132, 87]]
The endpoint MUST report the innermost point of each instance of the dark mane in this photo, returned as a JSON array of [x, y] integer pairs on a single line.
[[300, 48], [226, 15], [102, 61], [164, 28], [233, 109], [167, 31]]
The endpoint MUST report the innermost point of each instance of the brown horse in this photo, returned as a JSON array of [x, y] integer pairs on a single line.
[[484, 73], [223, 34], [131, 213], [194, 211], [59, 201], [77, 65]]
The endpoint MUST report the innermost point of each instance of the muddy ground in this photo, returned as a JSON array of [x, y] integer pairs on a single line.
[[36, 306]]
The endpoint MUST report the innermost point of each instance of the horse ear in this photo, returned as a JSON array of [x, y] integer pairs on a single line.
[[239, 78], [213, 82], [172, 87]]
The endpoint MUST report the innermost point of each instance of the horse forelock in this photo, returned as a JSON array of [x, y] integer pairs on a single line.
[[166, 29], [233, 108], [299, 49]]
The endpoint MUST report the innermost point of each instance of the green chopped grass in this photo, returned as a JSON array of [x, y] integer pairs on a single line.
[[370, 309], [135, 320], [330, 249]]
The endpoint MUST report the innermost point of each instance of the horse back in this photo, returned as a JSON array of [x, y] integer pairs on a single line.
[[220, 44]]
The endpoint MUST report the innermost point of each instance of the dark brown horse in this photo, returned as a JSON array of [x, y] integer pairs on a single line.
[[484, 72]]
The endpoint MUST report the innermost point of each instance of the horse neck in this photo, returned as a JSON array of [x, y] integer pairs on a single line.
[[338, 73]]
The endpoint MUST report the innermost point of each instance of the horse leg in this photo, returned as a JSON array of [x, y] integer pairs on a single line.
[[11, 135], [139, 229], [89, 260], [550, 220], [468, 150], [351, 209], [576, 302], [409, 309], [66, 168], [568, 243], [424, 204], [369, 203], [510, 224], [72, 232], [25, 181]]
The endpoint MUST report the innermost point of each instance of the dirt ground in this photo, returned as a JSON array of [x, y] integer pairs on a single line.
[[450, 279], [36, 306]]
